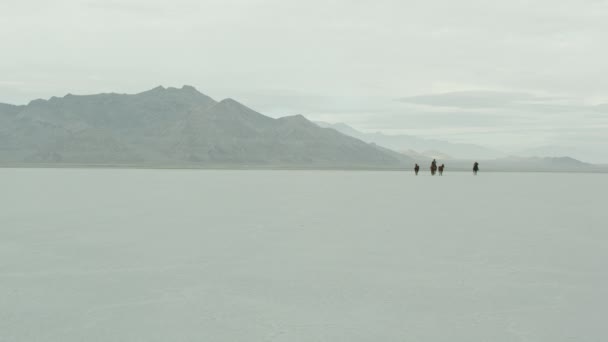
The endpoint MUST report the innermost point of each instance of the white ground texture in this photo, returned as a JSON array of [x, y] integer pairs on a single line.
[[185, 255]]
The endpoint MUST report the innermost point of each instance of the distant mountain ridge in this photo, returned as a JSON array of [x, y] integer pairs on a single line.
[[174, 127], [538, 164], [465, 154], [407, 143]]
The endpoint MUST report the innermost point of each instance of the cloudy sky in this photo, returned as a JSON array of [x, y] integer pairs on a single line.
[[520, 76]]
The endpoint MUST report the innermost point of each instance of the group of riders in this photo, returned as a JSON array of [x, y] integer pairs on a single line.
[[440, 168]]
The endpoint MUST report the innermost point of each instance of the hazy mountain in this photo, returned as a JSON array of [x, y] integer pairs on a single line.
[[536, 164], [426, 155], [174, 127], [463, 155], [539, 164], [585, 153], [428, 147]]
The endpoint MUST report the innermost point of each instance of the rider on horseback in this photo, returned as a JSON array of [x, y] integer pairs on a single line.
[[433, 167]]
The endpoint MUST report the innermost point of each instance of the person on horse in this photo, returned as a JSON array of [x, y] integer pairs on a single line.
[[416, 169], [441, 169], [433, 167], [475, 168]]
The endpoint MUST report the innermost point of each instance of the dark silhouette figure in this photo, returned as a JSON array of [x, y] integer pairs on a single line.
[[441, 167], [475, 168], [416, 169], [433, 167]]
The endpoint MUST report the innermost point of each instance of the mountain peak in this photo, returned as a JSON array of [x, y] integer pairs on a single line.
[[161, 89], [156, 90], [296, 118], [185, 93], [230, 101], [183, 89], [189, 88], [37, 102]]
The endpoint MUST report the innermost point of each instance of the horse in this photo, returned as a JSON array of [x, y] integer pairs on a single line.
[[441, 169], [416, 169], [475, 168], [433, 169]]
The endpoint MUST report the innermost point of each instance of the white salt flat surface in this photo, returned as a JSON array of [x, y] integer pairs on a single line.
[[188, 255]]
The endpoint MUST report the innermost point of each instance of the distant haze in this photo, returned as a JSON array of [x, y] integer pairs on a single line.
[[528, 78]]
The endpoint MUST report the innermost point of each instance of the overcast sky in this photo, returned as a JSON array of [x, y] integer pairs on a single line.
[[512, 75]]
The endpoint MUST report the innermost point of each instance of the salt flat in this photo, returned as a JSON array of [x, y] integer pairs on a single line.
[[192, 255]]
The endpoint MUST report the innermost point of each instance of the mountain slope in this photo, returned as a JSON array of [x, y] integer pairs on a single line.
[[174, 128]]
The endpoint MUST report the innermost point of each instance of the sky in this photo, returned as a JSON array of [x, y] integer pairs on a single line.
[[519, 76]]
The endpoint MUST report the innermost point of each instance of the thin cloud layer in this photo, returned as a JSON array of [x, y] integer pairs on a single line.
[[475, 99]]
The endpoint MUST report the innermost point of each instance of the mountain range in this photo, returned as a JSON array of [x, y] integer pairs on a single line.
[[183, 128], [174, 127]]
